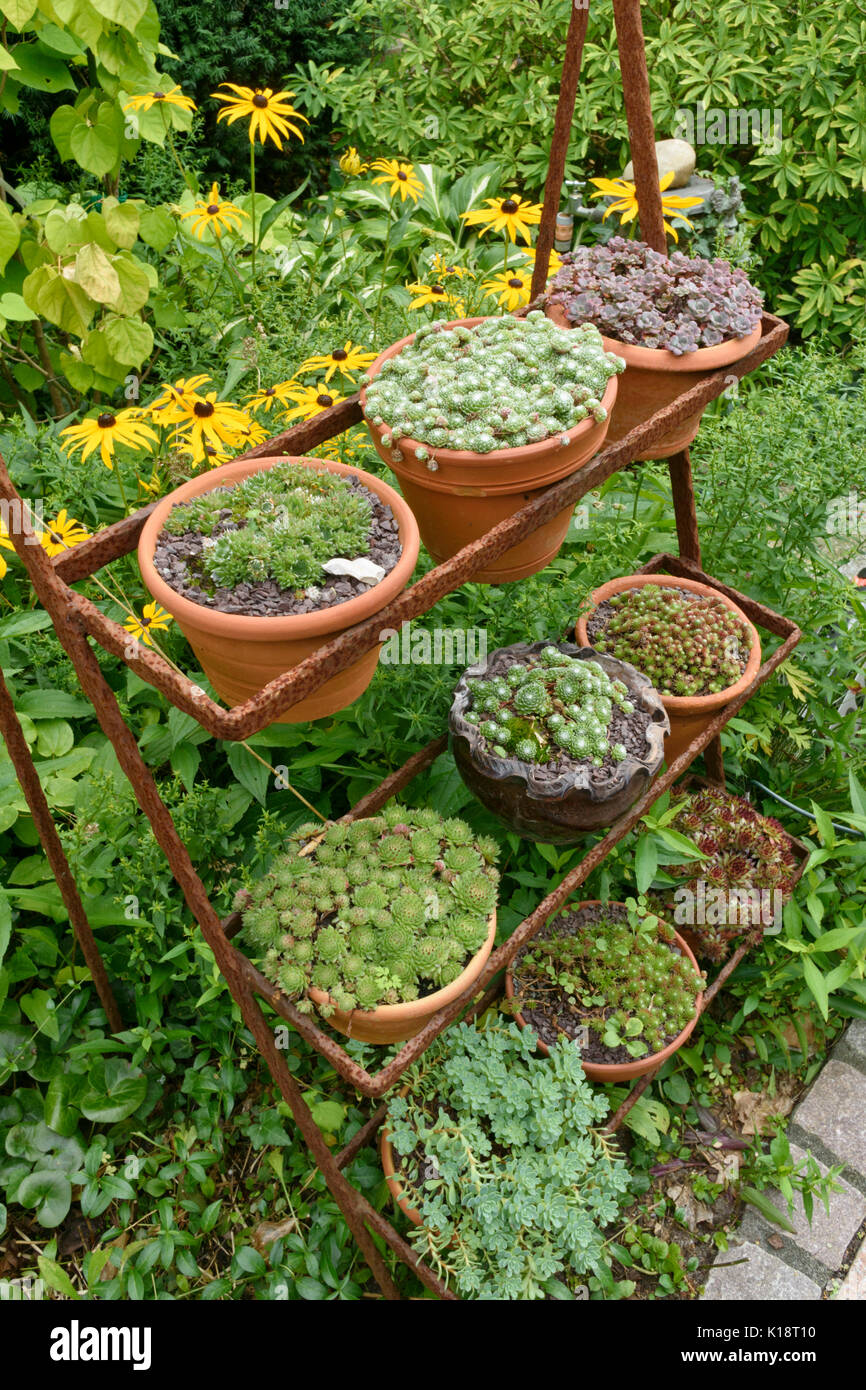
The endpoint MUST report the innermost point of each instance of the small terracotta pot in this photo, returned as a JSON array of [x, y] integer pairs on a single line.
[[392, 1023], [689, 714], [654, 377], [389, 1168], [623, 1071], [519, 794], [241, 654], [490, 487]]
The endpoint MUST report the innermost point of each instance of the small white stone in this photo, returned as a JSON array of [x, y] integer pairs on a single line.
[[363, 569]]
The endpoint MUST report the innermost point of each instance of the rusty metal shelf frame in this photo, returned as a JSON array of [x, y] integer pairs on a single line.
[[76, 619]]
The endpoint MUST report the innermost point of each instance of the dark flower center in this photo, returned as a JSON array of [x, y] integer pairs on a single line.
[[213, 209], [339, 354], [401, 174], [106, 422], [271, 391], [203, 409], [509, 206], [515, 284], [146, 622], [158, 96], [437, 289], [324, 399], [260, 100]]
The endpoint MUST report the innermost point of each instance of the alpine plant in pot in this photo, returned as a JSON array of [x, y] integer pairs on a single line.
[[675, 320], [476, 417], [263, 561]]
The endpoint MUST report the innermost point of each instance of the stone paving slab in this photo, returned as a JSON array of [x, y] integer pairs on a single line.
[[829, 1235], [852, 1046], [854, 1284], [835, 1112], [762, 1276]]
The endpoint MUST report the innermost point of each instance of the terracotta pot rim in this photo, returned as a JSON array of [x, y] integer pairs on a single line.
[[662, 359], [389, 1168], [243, 627], [528, 453], [516, 770], [617, 1071], [683, 704], [389, 1014]]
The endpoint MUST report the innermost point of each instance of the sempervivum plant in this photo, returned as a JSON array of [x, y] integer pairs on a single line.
[[282, 523], [748, 855], [687, 644], [502, 384], [621, 978], [550, 705], [381, 911], [636, 295]]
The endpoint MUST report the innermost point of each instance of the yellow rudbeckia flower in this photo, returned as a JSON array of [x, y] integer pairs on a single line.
[[214, 215], [270, 113], [625, 195], [310, 401], [346, 360], [351, 162], [173, 97], [401, 176], [435, 294], [512, 215], [62, 534], [511, 288], [107, 431], [153, 619]]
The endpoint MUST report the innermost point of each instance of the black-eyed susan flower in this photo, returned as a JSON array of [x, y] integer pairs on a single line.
[[554, 263], [442, 267], [351, 162], [173, 97], [512, 215], [268, 396], [106, 432], [214, 215], [310, 401], [625, 195], [346, 360], [153, 619], [270, 113], [176, 399], [62, 534], [210, 421], [5, 544], [511, 288], [401, 176], [435, 294]]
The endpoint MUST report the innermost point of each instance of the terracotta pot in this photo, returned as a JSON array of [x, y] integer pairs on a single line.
[[392, 1023], [389, 1168], [242, 654], [623, 1071], [654, 377], [519, 794], [689, 714], [491, 487]]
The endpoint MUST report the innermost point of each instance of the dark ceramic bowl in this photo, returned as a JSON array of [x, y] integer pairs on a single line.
[[524, 796]]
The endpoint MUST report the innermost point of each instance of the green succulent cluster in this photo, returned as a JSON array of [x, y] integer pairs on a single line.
[[620, 975], [289, 521], [505, 383], [380, 911], [686, 645], [553, 704]]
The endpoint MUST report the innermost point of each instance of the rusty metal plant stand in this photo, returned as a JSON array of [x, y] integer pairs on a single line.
[[76, 618]]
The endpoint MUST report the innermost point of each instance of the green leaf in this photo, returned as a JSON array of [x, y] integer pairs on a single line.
[[49, 1192], [129, 340], [5, 923], [7, 62], [18, 12], [9, 238], [328, 1115], [766, 1208], [157, 227], [184, 761], [50, 703], [645, 862], [90, 134], [41, 69], [250, 1261], [12, 306], [54, 738], [126, 13], [858, 795], [19, 624], [115, 1091], [60, 1114], [95, 274], [133, 285], [39, 1006], [58, 299], [310, 1289], [251, 774], [815, 980], [122, 220], [677, 1089]]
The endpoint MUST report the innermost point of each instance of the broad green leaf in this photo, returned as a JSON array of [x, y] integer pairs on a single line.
[[817, 984], [18, 12], [134, 285], [766, 1208], [126, 13], [122, 221], [92, 135], [51, 704], [9, 238], [251, 774], [97, 356], [77, 373], [185, 761], [157, 227], [115, 1091], [60, 1114], [49, 1192], [645, 862], [7, 62], [858, 795], [58, 299], [95, 274], [40, 1007], [55, 1276], [41, 69], [838, 937], [5, 923], [328, 1115], [128, 339], [54, 738], [19, 624], [12, 306]]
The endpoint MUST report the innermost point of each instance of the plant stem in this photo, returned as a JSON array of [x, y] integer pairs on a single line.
[[385, 260], [253, 209]]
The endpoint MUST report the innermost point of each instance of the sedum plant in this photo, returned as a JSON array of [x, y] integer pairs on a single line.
[[687, 644], [517, 1182], [636, 295], [551, 705], [747, 854], [283, 523], [505, 383], [381, 911], [620, 977]]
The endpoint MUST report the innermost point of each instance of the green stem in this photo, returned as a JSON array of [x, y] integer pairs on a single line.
[[385, 260], [184, 172], [122, 490], [253, 208]]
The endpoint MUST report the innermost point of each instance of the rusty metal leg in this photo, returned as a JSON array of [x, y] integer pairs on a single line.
[[641, 131], [55, 854], [685, 512], [559, 145]]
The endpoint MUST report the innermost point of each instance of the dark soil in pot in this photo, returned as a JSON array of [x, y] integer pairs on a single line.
[[177, 558]]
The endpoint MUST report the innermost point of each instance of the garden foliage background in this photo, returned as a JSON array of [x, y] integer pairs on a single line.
[[145, 1165]]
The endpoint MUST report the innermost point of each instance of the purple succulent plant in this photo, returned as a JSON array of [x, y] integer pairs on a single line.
[[635, 295]]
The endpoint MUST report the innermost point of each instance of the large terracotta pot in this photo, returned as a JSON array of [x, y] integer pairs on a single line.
[[623, 1071], [489, 487], [654, 377], [392, 1023], [242, 654], [518, 793], [389, 1168], [689, 714]]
